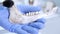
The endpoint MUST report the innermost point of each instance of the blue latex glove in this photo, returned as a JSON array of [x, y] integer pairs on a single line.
[[31, 28]]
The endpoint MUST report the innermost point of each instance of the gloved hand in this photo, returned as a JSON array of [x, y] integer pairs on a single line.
[[31, 28]]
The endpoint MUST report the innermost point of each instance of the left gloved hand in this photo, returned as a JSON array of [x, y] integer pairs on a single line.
[[31, 28]]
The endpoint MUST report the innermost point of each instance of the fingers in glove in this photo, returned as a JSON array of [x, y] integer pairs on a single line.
[[30, 29], [42, 20], [37, 25]]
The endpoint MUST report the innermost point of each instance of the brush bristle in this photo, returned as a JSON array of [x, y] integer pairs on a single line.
[[8, 4]]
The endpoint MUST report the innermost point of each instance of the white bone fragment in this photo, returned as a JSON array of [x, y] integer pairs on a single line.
[[17, 17]]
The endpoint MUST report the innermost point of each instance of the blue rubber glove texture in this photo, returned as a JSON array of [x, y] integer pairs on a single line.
[[38, 24], [26, 9], [31, 28]]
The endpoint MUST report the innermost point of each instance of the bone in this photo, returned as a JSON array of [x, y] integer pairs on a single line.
[[19, 18]]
